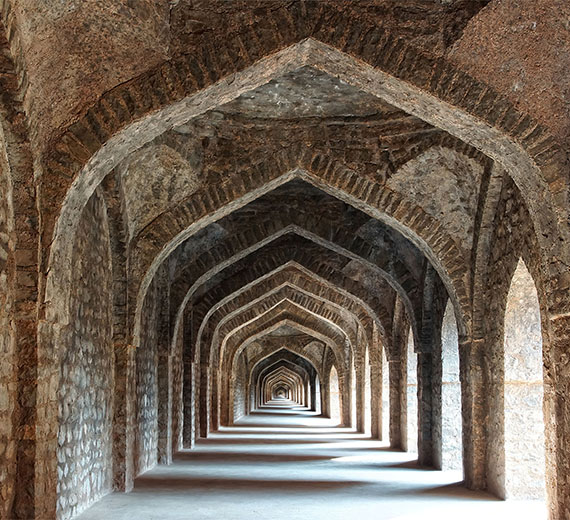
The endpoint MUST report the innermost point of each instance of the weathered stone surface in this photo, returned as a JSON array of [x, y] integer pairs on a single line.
[[524, 395], [8, 365], [85, 394], [412, 395], [146, 434], [237, 199], [521, 49], [445, 185], [451, 452]]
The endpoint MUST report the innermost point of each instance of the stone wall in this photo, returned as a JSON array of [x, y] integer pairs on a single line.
[[412, 395], [513, 238], [385, 397], [451, 457], [524, 395], [86, 384], [445, 184], [121, 40], [7, 344], [335, 406], [146, 429], [240, 384], [115, 43], [177, 392]]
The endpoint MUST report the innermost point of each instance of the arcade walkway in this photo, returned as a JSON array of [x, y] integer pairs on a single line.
[[283, 463]]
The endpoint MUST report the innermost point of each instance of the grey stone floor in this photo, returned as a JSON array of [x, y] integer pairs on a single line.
[[285, 463]]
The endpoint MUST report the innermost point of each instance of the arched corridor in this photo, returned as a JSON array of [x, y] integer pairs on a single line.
[[284, 258]]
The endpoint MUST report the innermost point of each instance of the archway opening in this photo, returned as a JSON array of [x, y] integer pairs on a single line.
[[523, 390], [334, 394], [412, 395], [367, 395], [385, 398], [451, 428]]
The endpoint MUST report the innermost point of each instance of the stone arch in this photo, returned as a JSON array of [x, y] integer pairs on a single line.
[[451, 430], [85, 371], [495, 263], [276, 301], [379, 202], [283, 354], [271, 300], [401, 85], [237, 339], [298, 277], [273, 305], [298, 257], [239, 243], [298, 349], [281, 272], [334, 393], [280, 373], [307, 325], [388, 54]]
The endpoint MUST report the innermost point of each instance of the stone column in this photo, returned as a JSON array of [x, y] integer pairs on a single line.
[[436, 404], [204, 401], [188, 393], [164, 374], [398, 410], [557, 418], [177, 399], [376, 400], [326, 397], [313, 394], [425, 409], [164, 405], [123, 418], [360, 393], [345, 390], [214, 403], [473, 404]]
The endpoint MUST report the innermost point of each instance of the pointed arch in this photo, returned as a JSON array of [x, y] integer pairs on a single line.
[[523, 390]]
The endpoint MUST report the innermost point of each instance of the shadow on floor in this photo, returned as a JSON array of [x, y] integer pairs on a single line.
[[295, 465], [201, 484]]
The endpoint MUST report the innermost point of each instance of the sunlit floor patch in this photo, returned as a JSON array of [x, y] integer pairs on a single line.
[[277, 465]]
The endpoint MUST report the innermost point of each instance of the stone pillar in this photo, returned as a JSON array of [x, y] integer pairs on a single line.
[[376, 400], [425, 409], [188, 393], [398, 409], [326, 397], [41, 490], [473, 404], [313, 394], [204, 401], [557, 419], [436, 404], [177, 398], [345, 390], [360, 391], [123, 418], [214, 403], [164, 405], [164, 375]]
